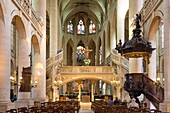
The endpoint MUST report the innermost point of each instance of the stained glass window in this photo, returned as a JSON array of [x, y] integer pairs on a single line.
[[80, 28], [70, 27], [80, 54], [92, 27]]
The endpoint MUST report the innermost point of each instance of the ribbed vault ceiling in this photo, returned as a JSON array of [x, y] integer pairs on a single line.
[[95, 9]]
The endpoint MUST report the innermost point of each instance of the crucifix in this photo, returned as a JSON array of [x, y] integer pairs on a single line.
[[87, 51]]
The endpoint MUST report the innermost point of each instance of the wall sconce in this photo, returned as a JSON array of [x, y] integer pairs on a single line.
[[34, 85], [14, 82], [158, 79]]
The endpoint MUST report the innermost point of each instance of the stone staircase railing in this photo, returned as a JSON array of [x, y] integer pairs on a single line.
[[51, 67], [117, 59], [148, 7], [53, 62]]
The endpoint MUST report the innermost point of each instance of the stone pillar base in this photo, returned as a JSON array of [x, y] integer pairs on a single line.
[[4, 106], [24, 103], [23, 95], [165, 107]]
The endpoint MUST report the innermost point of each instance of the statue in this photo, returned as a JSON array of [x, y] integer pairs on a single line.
[[87, 51], [138, 20], [87, 60]]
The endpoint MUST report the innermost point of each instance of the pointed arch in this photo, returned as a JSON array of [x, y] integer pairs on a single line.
[[35, 55], [35, 43], [19, 45], [81, 43], [80, 52], [70, 46], [92, 55], [16, 20]]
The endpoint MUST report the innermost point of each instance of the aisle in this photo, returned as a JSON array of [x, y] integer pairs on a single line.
[[85, 111]]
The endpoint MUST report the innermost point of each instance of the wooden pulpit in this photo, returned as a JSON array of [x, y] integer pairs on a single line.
[[26, 80]]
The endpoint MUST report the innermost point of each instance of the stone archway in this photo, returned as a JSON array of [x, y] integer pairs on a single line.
[[20, 48], [70, 52], [37, 69], [80, 51], [152, 37], [92, 55]]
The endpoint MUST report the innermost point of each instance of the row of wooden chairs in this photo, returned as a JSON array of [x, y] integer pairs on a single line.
[[49, 107], [101, 107]]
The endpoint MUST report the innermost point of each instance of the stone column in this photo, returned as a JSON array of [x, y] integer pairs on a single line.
[[165, 106], [53, 27], [122, 8], [107, 88], [74, 56], [40, 8], [55, 94], [5, 64], [92, 91], [64, 88], [97, 55], [118, 93], [135, 65], [103, 50], [97, 89], [114, 92], [79, 96], [111, 90]]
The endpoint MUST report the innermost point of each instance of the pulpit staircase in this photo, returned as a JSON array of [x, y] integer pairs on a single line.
[[53, 64], [138, 83]]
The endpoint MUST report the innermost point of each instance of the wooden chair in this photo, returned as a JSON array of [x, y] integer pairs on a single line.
[[155, 111], [11, 111], [145, 110], [23, 110]]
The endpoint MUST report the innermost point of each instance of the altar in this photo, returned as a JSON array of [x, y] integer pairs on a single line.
[[85, 102], [85, 98]]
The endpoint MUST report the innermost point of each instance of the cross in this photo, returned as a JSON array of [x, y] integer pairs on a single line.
[[87, 51]]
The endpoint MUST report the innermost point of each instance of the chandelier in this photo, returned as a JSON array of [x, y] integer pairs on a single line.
[[115, 82]]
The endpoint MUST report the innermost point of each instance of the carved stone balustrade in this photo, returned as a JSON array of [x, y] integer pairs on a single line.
[[28, 11]]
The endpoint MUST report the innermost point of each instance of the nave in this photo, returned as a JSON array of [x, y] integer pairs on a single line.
[[98, 106]]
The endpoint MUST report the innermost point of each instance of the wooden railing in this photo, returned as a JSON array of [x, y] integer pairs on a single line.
[[148, 7], [137, 83], [28, 11]]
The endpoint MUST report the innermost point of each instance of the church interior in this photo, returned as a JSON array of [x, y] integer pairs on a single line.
[[86, 56]]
